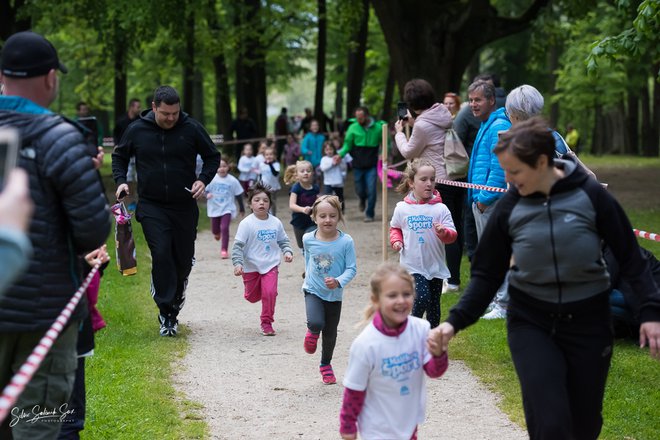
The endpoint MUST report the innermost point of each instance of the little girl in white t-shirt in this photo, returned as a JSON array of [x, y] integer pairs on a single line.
[[385, 383]]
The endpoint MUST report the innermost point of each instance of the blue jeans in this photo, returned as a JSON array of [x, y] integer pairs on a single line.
[[366, 185]]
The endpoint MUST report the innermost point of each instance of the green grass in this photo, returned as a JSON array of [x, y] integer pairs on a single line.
[[612, 161], [632, 395], [129, 378]]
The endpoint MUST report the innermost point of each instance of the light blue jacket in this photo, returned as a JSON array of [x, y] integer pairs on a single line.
[[484, 168], [312, 148]]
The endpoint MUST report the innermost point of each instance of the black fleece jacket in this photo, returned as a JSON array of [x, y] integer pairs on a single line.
[[556, 241], [165, 159]]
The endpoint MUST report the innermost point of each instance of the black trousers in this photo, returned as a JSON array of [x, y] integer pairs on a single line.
[[323, 317], [170, 232], [562, 361], [75, 422], [454, 198]]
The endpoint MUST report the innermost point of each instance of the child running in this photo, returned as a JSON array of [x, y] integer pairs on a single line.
[[269, 170], [220, 206], [302, 197], [385, 385], [330, 265], [333, 175], [421, 226], [247, 165], [256, 254]]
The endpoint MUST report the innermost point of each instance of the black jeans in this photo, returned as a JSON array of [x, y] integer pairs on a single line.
[[562, 361], [454, 198], [323, 317], [170, 232], [470, 239]]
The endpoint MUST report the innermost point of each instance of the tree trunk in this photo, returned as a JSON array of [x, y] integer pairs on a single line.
[[597, 138], [251, 64], [222, 96], [339, 100], [319, 114], [632, 121], [357, 62], [552, 80], [189, 64], [386, 112], [438, 40], [647, 129], [654, 149], [121, 81], [9, 21], [614, 138]]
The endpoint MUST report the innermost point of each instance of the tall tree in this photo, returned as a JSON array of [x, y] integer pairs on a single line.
[[356, 59], [12, 19], [319, 114], [437, 40]]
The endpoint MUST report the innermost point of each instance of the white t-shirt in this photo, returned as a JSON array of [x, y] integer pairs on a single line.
[[391, 370], [423, 252], [246, 166], [261, 252], [333, 175], [267, 177], [223, 191]]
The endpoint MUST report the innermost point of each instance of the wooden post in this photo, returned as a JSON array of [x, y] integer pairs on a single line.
[[386, 229]]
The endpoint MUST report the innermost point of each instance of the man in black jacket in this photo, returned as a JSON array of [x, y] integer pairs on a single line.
[[71, 218], [165, 143]]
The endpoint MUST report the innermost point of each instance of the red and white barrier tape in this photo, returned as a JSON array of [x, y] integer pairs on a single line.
[[641, 234], [648, 235], [24, 375]]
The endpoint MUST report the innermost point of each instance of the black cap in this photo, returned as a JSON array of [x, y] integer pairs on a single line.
[[26, 54]]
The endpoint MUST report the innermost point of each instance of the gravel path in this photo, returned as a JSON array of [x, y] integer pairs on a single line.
[[256, 387]]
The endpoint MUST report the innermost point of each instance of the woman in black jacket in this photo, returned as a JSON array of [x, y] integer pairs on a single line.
[[552, 221]]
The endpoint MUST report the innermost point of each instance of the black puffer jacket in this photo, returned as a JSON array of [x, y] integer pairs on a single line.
[[165, 159], [71, 217]]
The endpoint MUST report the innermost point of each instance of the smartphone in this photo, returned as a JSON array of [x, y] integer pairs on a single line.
[[9, 145], [402, 110], [91, 133]]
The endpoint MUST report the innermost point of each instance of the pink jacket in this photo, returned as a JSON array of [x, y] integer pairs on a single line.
[[428, 138]]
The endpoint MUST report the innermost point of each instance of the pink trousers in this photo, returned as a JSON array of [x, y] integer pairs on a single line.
[[262, 287]]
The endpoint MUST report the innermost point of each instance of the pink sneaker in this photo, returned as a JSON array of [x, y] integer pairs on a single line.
[[310, 342], [224, 254], [327, 374], [267, 330]]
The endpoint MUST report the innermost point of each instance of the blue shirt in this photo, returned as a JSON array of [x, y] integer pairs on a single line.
[[334, 259]]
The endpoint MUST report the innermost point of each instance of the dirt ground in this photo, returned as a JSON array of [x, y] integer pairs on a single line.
[[256, 387]]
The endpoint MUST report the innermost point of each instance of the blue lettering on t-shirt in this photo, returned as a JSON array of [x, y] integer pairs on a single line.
[[266, 235], [419, 222], [399, 367], [404, 391]]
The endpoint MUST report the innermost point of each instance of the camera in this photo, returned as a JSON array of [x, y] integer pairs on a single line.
[[402, 110], [91, 133], [9, 146]]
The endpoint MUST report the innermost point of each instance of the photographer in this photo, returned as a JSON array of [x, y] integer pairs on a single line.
[[430, 121]]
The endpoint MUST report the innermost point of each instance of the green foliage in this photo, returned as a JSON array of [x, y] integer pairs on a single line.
[[639, 41], [376, 68]]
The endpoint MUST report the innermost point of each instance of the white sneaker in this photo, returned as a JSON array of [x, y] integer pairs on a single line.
[[453, 288], [497, 313]]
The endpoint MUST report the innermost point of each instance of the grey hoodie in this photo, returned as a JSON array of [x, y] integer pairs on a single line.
[[428, 138]]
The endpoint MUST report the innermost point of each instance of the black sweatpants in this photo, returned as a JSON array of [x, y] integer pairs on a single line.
[[562, 361], [454, 198], [170, 231], [323, 317]]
